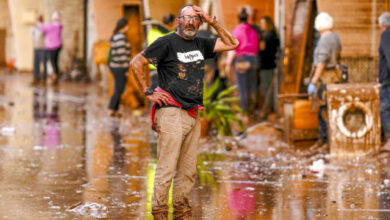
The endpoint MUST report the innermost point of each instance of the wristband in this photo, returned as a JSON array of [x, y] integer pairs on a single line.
[[148, 91]]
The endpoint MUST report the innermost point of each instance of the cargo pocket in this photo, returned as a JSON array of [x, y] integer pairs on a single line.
[[242, 66]]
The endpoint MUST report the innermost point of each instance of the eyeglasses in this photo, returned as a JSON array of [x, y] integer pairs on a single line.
[[188, 18]]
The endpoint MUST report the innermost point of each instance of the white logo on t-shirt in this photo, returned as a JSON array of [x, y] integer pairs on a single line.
[[191, 56]]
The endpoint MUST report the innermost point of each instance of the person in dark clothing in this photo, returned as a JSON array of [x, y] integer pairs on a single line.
[[119, 64], [268, 49], [38, 38], [169, 22], [384, 75], [179, 58]]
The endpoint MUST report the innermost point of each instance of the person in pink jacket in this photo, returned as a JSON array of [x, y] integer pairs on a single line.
[[53, 42], [245, 59]]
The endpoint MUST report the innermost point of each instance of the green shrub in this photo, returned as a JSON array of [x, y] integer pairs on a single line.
[[222, 111]]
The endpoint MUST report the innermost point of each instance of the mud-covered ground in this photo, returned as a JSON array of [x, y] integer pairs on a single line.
[[63, 158]]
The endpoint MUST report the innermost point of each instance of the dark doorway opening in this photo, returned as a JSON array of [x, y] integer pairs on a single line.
[[135, 32], [3, 35]]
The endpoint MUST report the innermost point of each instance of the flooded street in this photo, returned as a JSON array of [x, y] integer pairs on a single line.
[[63, 158]]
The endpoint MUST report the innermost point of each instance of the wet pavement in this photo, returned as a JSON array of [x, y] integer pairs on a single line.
[[63, 158]]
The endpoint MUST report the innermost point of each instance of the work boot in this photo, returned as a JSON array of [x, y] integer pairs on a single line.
[[35, 82], [54, 79], [160, 212], [160, 216], [43, 82], [320, 143], [324, 149], [182, 211], [319, 147], [111, 113]]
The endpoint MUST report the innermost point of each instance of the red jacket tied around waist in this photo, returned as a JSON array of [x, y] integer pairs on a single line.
[[192, 112]]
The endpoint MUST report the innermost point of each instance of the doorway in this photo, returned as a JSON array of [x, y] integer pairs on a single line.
[[135, 32], [3, 35], [133, 96]]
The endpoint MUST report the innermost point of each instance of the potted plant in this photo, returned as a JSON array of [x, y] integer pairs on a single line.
[[220, 110]]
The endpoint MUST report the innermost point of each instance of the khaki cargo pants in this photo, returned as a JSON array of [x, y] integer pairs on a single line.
[[178, 137]]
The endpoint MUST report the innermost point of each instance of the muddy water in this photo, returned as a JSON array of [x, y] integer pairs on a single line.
[[62, 158]]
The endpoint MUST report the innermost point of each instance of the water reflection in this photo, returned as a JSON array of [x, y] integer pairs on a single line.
[[116, 172], [39, 104], [241, 197], [39, 167], [264, 188], [52, 135], [238, 188], [46, 119], [353, 190]]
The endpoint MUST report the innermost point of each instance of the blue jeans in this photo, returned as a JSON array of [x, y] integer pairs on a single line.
[[246, 80], [384, 108], [266, 76], [323, 125], [39, 58]]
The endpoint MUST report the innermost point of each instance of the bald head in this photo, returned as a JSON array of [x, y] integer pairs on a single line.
[[184, 8]]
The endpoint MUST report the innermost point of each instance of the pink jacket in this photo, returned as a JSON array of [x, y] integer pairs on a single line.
[[52, 32], [247, 36]]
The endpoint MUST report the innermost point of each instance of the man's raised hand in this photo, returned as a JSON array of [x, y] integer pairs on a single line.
[[205, 17]]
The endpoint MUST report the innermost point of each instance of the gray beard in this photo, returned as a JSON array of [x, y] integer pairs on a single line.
[[187, 34]]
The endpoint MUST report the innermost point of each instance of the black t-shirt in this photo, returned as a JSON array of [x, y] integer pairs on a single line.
[[180, 66], [268, 55]]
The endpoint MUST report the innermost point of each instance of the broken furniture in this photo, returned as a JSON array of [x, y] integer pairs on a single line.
[[300, 118]]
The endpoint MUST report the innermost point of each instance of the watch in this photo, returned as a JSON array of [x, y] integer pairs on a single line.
[[148, 91]]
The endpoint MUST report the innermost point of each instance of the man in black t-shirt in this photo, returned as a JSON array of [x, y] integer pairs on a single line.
[[179, 58], [180, 65]]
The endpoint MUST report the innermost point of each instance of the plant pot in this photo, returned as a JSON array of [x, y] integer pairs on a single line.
[[204, 127]]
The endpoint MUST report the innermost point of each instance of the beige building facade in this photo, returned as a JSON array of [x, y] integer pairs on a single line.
[[17, 18], [89, 21]]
